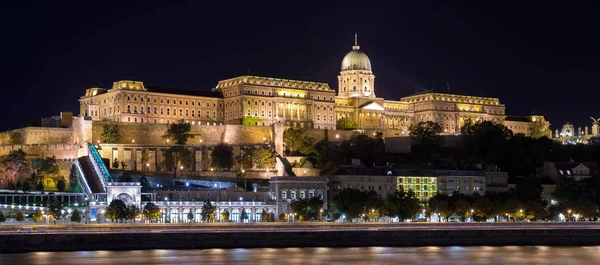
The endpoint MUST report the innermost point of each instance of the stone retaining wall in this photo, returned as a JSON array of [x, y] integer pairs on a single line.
[[250, 239]]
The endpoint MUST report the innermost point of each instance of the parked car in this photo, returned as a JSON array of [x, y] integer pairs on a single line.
[[454, 219]]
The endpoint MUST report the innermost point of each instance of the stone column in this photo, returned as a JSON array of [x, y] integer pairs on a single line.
[[198, 160]]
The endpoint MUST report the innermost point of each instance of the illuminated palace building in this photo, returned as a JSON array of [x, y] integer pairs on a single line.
[[253, 100]]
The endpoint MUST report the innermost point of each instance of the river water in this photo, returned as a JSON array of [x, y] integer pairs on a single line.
[[363, 255]]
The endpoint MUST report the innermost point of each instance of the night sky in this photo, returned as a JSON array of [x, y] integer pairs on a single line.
[[534, 56]]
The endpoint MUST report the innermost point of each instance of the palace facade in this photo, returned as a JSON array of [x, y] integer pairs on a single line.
[[262, 101]]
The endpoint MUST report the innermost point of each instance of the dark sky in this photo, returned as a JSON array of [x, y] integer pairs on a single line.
[[534, 56]]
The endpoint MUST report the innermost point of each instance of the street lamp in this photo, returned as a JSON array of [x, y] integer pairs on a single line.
[[133, 141], [569, 215], [321, 214]]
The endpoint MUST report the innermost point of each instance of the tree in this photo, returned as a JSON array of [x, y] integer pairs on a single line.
[[222, 156], [264, 158], [225, 215], [353, 202], [37, 216], [40, 186], [48, 167], [179, 132], [125, 178], [427, 132], [54, 209], [151, 211], [116, 210], [133, 212], [115, 163], [145, 184], [243, 216], [60, 186], [73, 180], [529, 189], [265, 217], [145, 156], [75, 216], [190, 216], [20, 217], [14, 165], [441, 204], [208, 211], [296, 140], [111, 133], [488, 142], [26, 187], [2, 217], [406, 204], [345, 124], [282, 216], [307, 209], [538, 128], [16, 138], [176, 157]]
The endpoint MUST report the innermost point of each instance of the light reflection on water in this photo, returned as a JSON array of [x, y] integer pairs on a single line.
[[368, 255]]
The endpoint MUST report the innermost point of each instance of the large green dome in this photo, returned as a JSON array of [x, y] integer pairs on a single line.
[[356, 60]]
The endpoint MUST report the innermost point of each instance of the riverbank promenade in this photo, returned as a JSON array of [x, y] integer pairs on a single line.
[[278, 235]]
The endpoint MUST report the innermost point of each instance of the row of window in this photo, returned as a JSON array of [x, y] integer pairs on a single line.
[[168, 111], [301, 193], [162, 100]]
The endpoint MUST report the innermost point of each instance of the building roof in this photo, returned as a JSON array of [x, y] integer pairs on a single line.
[[356, 60], [564, 166], [199, 93]]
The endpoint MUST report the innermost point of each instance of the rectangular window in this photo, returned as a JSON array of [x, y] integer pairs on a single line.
[[284, 195]]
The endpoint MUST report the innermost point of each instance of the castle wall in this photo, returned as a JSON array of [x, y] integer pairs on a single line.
[[40, 135], [60, 151], [151, 134]]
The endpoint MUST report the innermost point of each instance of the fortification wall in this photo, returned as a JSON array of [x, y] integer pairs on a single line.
[[60, 151], [40, 135], [151, 134]]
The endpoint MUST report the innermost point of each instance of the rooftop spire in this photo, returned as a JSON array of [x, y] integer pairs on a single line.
[[355, 47]]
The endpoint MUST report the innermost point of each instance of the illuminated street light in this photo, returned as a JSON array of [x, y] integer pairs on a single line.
[[132, 141], [181, 167]]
